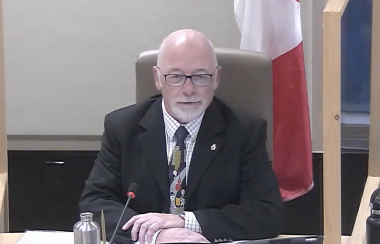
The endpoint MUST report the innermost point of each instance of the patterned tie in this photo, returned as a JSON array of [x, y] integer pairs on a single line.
[[177, 173]]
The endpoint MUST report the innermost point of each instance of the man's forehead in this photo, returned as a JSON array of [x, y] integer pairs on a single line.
[[187, 64], [193, 70]]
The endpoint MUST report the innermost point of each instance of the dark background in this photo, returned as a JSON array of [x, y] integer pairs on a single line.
[[45, 195]]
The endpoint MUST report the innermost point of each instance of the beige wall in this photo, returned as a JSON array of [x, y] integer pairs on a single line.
[[313, 32], [68, 63], [3, 145]]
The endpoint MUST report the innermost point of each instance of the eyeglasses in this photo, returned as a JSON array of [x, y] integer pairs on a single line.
[[179, 80]]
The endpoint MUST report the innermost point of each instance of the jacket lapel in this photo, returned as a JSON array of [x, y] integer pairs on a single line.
[[153, 142], [209, 142]]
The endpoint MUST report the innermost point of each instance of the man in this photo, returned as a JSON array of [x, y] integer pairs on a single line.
[[185, 149]]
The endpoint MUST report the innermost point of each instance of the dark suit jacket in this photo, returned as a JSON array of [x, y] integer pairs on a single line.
[[232, 190]]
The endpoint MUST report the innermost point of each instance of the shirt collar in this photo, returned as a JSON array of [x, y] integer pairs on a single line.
[[171, 124]]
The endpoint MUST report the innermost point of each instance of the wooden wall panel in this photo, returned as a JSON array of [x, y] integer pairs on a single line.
[[374, 139], [332, 16]]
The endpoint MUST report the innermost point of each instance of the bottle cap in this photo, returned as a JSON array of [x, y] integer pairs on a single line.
[[86, 217], [375, 200]]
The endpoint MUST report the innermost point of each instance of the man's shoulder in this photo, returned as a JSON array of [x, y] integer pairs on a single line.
[[132, 113], [239, 117]]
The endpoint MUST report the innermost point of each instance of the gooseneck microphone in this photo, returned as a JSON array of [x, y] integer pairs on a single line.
[[132, 190]]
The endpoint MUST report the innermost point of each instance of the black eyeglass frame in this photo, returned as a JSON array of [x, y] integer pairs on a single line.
[[188, 77]]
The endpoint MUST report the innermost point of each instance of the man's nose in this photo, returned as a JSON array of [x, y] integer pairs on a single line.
[[188, 88]]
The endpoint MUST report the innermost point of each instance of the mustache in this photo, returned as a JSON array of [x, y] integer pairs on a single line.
[[188, 99]]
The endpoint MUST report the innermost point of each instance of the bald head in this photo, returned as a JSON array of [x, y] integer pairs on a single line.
[[187, 74], [184, 41]]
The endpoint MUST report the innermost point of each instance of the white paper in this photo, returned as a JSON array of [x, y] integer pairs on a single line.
[[47, 237]]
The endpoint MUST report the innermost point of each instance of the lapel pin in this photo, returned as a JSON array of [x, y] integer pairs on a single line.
[[213, 147]]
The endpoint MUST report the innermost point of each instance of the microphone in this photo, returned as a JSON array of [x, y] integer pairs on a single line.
[[131, 194]]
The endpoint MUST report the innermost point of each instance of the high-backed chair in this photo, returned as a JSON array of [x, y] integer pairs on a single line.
[[246, 82]]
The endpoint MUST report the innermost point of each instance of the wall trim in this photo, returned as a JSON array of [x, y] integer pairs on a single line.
[[54, 142]]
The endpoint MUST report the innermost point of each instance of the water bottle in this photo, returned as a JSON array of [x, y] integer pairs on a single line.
[[373, 221], [86, 231]]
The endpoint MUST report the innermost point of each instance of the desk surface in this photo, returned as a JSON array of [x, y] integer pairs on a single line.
[[10, 238], [13, 238]]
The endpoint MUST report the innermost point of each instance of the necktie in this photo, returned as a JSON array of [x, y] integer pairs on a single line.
[[177, 173]]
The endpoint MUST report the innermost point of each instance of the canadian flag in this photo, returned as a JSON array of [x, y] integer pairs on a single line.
[[273, 27]]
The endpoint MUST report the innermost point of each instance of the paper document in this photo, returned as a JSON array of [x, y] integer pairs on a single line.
[[47, 237]]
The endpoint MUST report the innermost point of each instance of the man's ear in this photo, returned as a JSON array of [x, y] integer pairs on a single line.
[[157, 79], [217, 78]]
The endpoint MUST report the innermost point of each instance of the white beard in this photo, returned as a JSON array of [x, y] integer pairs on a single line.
[[187, 115]]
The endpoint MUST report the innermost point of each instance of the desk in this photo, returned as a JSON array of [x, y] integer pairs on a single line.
[[12, 238]]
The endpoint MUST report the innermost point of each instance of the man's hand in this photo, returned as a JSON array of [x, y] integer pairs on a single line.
[[145, 225], [180, 235]]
